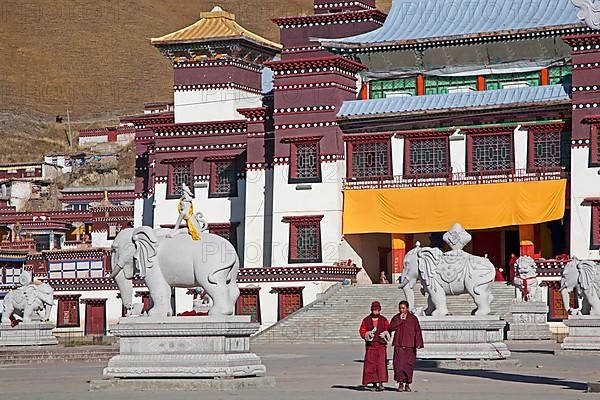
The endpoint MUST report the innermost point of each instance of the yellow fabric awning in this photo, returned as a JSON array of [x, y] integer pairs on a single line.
[[435, 209]]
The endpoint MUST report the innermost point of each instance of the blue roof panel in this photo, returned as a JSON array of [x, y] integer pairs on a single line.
[[489, 98], [430, 19]]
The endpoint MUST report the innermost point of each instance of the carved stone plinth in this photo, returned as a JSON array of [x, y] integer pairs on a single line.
[[31, 334], [529, 321], [584, 333], [463, 337], [185, 347]]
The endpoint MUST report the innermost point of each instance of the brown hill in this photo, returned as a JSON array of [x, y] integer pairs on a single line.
[[95, 56]]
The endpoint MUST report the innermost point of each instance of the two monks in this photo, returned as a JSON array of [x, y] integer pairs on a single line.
[[376, 331]]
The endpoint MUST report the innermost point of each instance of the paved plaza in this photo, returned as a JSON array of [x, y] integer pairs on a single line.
[[333, 371]]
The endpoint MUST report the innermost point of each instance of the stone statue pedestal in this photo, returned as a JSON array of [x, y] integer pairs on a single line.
[[184, 347], [463, 338], [529, 321], [584, 333], [30, 334]]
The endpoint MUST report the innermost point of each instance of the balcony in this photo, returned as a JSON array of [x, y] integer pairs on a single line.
[[455, 179]]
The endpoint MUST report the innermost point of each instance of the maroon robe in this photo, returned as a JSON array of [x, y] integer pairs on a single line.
[[407, 340], [375, 365]]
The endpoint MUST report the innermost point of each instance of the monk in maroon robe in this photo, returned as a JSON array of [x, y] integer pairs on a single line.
[[407, 339], [374, 330]]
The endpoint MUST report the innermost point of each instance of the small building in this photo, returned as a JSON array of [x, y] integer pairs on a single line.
[[82, 198]]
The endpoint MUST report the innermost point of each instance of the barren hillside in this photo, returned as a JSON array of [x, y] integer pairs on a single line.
[[95, 56]]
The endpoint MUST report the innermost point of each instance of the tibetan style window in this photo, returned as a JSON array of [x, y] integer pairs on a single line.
[[490, 153], [11, 275], [304, 239], [450, 84], [179, 173], [249, 304], [560, 75], [289, 300], [369, 159], [67, 311], [393, 87], [595, 146], [304, 165], [506, 81], [544, 150], [595, 226], [223, 179], [426, 157]]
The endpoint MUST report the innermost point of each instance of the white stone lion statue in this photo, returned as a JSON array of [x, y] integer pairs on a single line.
[[526, 280]]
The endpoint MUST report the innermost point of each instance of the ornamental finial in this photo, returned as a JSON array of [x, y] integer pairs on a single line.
[[589, 12]]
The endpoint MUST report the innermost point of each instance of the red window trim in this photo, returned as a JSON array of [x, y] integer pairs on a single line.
[[488, 131], [213, 175], [595, 227], [249, 292], [59, 309], [295, 222], [594, 139], [408, 140], [281, 292], [229, 226], [373, 139], [171, 189], [293, 178], [533, 130]]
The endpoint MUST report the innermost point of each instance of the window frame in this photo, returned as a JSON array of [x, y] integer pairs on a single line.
[[595, 144], [303, 221], [172, 189], [214, 161], [475, 134], [254, 291], [542, 130], [352, 142], [60, 323], [230, 227], [595, 226], [407, 163], [282, 292], [292, 176]]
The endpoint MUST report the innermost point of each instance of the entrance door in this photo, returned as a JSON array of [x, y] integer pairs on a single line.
[[490, 243], [95, 318]]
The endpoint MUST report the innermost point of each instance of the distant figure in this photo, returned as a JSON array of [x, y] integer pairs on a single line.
[[374, 330], [362, 278], [500, 274], [383, 279], [59, 119], [407, 339], [511, 267]]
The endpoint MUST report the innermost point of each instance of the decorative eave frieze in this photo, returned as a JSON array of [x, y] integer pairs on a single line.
[[305, 125], [200, 147], [350, 17], [316, 62], [342, 4], [305, 110], [580, 143], [217, 86], [200, 128], [367, 137]]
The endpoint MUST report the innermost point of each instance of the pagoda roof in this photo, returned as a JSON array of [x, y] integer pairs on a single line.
[[454, 102], [214, 25], [429, 23]]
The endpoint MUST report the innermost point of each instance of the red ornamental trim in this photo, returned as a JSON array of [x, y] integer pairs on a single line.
[[224, 157], [178, 160], [591, 200], [593, 119], [93, 301], [67, 296], [258, 112], [357, 16], [489, 130], [297, 139], [426, 133], [249, 290], [581, 40], [364, 138], [199, 126], [224, 225], [545, 128], [288, 290], [303, 219], [305, 63]]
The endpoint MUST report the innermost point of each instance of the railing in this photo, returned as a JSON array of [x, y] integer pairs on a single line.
[[297, 274], [455, 179], [20, 245]]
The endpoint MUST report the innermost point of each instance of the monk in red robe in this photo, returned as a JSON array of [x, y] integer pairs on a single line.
[[407, 339], [374, 330]]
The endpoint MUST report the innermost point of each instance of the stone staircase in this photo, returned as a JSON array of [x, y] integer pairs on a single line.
[[49, 354], [336, 317]]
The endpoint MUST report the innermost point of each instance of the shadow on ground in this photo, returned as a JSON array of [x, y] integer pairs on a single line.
[[510, 377]]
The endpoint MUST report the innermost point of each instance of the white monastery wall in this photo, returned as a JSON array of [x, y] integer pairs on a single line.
[[212, 105]]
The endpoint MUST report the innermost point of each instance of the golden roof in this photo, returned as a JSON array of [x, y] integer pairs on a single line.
[[214, 25]]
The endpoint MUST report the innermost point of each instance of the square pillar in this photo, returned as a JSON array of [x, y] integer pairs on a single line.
[[398, 252], [526, 240]]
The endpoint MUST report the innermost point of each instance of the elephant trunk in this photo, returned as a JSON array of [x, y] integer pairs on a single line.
[[564, 292], [125, 288]]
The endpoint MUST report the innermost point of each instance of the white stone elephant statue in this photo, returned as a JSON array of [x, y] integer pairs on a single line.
[[30, 302], [526, 279], [179, 261], [583, 276], [452, 273]]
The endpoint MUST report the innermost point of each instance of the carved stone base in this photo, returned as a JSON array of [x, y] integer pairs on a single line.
[[463, 337], [176, 385], [184, 347], [32, 334], [584, 333], [529, 321]]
